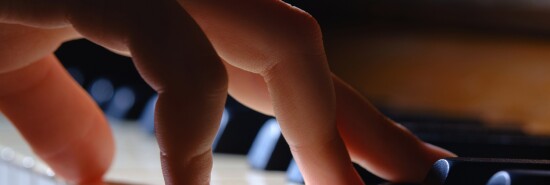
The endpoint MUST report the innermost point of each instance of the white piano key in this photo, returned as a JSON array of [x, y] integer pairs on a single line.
[[17, 169], [4, 173], [23, 176], [45, 181]]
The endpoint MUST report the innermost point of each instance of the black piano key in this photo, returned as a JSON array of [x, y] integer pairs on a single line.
[[87, 62], [294, 175], [484, 149], [223, 124], [466, 129], [142, 95], [102, 91], [520, 177], [270, 150], [241, 129], [428, 117], [124, 99], [367, 176], [476, 171], [470, 140], [471, 137], [77, 75], [147, 118], [489, 145], [95, 61]]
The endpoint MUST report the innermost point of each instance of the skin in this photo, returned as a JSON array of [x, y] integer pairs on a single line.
[[265, 53]]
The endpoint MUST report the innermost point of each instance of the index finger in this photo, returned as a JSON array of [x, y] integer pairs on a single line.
[[283, 44]]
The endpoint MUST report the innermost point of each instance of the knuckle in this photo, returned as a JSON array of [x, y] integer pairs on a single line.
[[303, 23], [101, 20]]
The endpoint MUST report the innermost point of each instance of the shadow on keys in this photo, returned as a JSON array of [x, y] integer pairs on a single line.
[[484, 151]]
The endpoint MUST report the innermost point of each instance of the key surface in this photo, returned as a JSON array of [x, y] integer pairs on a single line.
[[124, 99], [472, 140], [270, 150], [520, 177], [242, 127], [476, 171], [147, 118]]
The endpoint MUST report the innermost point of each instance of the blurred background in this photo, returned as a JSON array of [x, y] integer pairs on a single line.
[[482, 58]]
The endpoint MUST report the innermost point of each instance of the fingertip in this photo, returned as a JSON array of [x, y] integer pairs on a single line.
[[438, 152], [84, 161], [434, 153], [417, 174], [377, 143], [326, 162], [58, 119]]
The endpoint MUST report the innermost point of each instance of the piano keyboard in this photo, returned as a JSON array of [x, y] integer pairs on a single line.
[[136, 161], [268, 159], [458, 171], [17, 169]]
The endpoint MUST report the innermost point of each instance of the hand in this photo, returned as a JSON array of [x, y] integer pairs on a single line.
[[267, 54]]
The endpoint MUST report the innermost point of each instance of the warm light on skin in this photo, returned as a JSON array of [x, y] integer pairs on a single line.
[[320, 116], [77, 144]]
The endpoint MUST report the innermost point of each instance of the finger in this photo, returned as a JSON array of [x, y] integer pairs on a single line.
[[21, 45], [175, 58], [373, 141], [58, 119], [182, 66], [283, 44], [249, 89], [377, 143]]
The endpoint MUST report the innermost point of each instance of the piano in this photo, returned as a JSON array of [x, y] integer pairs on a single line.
[[486, 151], [470, 76]]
